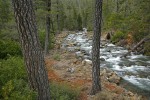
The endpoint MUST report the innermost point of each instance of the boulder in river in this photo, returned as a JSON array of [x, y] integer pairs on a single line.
[[86, 62], [102, 59], [84, 30], [71, 49], [79, 54], [87, 57]]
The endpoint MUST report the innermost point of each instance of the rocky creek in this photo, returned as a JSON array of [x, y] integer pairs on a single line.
[[134, 69]]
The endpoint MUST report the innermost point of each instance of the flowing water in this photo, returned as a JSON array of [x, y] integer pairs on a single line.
[[134, 70]]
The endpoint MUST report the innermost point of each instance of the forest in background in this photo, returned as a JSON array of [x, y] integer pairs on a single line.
[[122, 17]]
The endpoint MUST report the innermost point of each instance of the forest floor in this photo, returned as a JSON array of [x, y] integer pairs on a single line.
[[63, 67]]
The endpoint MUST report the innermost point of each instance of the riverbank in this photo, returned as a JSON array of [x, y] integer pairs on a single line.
[[65, 67]]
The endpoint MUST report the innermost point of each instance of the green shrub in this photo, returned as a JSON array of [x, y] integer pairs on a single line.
[[42, 39], [147, 49], [118, 36], [12, 68], [57, 57], [115, 21], [139, 35], [9, 47], [17, 90], [13, 80], [79, 21], [63, 92], [14, 86]]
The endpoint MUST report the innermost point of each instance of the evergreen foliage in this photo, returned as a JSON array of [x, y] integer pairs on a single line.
[[79, 21], [119, 35], [9, 47], [131, 16], [13, 80], [63, 92], [14, 83]]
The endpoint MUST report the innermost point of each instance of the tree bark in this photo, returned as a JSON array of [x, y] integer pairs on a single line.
[[32, 51], [47, 36], [96, 86], [52, 26], [58, 25], [117, 6]]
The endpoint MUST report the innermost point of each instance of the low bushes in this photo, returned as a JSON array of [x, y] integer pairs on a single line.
[[14, 83], [57, 57], [9, 47], [13, 80], [42, 39], [118, 36], [147, 48], [63, 92], [139, 36]]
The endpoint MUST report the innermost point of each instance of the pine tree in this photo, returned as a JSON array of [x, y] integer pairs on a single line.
[[96, 84], [32, 51]]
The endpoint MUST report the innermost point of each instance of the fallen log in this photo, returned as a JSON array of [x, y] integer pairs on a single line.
[[136, 46]]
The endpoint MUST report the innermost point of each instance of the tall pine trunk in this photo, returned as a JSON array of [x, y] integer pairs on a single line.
[[32, 51], [47, 36], [117, 6], [96, 84], [58, 24]]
